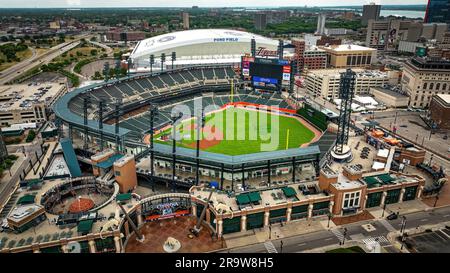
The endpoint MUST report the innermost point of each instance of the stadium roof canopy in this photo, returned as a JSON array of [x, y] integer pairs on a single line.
[[195, 38]]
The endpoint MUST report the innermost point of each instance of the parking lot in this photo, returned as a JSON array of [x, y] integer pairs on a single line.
[[432, 242], [412, 127]]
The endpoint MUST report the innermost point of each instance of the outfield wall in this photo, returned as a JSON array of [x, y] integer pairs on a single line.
[[315, 117]]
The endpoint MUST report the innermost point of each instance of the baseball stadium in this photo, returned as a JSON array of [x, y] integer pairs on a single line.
[[177, 158]]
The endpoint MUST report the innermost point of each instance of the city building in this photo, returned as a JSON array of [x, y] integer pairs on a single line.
[[308, 57], [434, 31], [325, 83], [260, 21], [424, 77], [314, 58], [410, 47], [28, 104], [321, 20], [336, 31], [327, 41], [125, 36], [370, 12], [440, 110], [311, 40], [343, 56], [185, 20], [384, 35], [389, 97], [199, 46], [438, 11]]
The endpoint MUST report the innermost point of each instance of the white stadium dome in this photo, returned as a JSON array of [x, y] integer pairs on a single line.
[[198, 47]]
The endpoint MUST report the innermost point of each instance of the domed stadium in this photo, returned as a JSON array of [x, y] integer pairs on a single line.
[[198, 47]]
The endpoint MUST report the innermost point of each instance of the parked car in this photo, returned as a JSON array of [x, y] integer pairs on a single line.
[[392, 216]]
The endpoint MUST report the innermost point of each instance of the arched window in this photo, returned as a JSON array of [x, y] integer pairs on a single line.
[[431, 86], [425, 85], [438, 85], [444, 86]]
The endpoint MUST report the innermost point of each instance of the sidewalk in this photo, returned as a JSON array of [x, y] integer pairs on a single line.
[[6, 177], [261, 235], [403, 208]]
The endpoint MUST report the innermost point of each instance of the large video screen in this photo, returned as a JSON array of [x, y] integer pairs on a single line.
[[266, 73]]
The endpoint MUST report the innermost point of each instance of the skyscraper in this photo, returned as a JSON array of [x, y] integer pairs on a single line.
[[438, 11], [321, 24], [371, 11], [260, 21], [186, 20]]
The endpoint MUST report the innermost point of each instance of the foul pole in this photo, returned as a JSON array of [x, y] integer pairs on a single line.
[[287, 139]]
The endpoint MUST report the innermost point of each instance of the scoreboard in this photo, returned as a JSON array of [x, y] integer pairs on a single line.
[[266, 73]]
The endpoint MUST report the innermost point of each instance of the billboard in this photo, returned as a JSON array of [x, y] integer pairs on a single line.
[[267, 73]]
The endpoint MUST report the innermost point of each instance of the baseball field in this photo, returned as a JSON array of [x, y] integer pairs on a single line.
[[238, 131]]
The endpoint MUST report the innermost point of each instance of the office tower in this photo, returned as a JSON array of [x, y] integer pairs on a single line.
[[186, 20], [438, 11], [321, 24], [260, 21], [370, 12]]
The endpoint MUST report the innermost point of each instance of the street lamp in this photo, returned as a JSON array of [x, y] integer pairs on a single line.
[[270, 231], [281, 246], [402, 230], [200, 127]]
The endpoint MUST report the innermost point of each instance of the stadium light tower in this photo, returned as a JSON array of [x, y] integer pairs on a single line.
[[174, 118], [174, 57], [152, 62], [153, 113], [117, 114], [86, 104], [341, 151], [100, 122], [163, 60], [129, 62], [201, 120]]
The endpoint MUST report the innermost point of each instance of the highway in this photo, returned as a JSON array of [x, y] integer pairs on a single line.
[[20, 68], [325, 238]]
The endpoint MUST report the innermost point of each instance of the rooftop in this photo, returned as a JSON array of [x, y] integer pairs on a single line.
[[360, 73], [444, 97], [347, 48], [389, 92], [23, 96]]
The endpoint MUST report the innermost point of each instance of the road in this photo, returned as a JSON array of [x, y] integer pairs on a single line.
[[30, 151], [355, 231], [20, 68]]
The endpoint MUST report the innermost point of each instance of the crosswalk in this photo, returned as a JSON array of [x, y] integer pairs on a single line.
[[338, 234], [387, 225], [380, 239], [270, 247]]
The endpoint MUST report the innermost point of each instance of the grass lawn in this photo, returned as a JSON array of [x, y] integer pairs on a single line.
[[84, 51], [240, 136], [353, 249], [22, 55]]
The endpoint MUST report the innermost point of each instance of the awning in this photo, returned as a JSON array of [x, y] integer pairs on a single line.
[[254, 196], [289, 191], [26, 199], [85, 226], [109, 162], [242, 199], [370, 180], [123, 197], [386, 178]]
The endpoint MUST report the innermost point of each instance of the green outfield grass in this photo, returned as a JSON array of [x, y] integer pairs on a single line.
[[235, 142]]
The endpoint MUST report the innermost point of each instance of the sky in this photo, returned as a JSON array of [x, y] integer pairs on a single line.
[[189, 3]]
